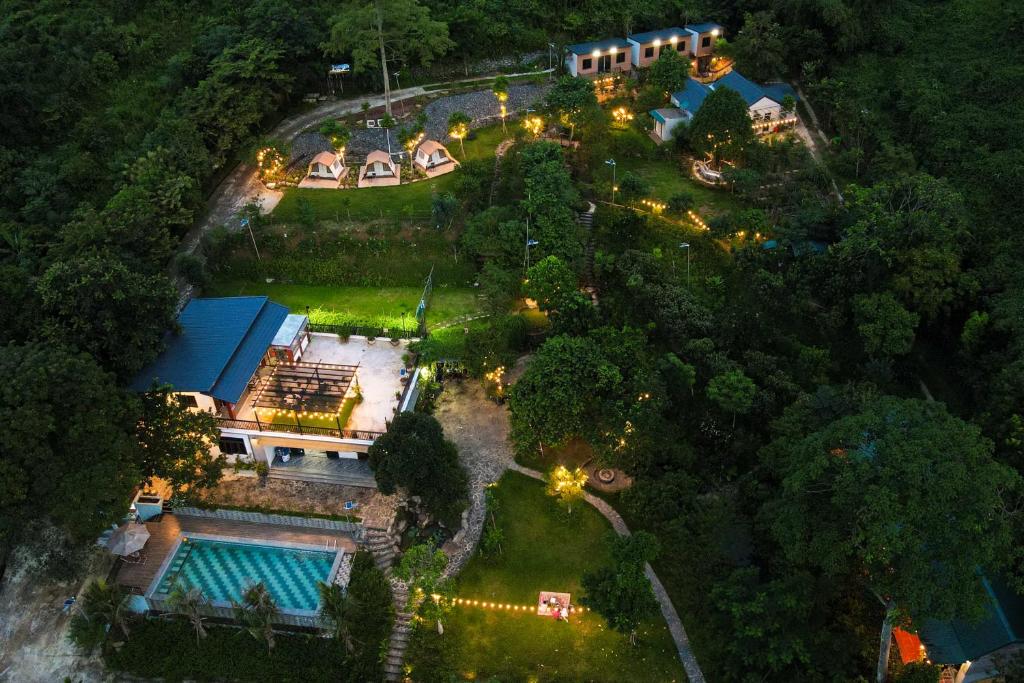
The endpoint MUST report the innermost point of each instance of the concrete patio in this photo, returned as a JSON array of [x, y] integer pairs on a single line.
[[380, 364]]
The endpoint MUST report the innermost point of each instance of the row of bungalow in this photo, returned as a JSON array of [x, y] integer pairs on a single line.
[[327, 168], [697, 41], [639, 50]]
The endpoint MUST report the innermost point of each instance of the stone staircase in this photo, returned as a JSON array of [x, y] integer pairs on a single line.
[[384, 550], [499, 152], [586, 219], [400, 633]]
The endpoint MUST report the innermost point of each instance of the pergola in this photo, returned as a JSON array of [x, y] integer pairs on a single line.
[[306, 387]]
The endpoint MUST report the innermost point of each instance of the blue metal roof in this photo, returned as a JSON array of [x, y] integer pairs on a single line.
[[664, 114], [777, 91], [219, 347], [602, 45], [665, 35], [750, 92], [691, 96], [956, 641], [705, 27]]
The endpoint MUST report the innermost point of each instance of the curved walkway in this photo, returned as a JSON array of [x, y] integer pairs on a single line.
[[480, 429], [668, 610]]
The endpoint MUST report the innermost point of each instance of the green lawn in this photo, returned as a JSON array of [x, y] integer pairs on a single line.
[[411, 200], [665, 178], [342, 305], [544, 551]]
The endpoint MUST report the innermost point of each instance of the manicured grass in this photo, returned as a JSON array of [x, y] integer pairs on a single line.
[[314, 421], [376, 306], [411, 200], [665, 177], [542, 550]]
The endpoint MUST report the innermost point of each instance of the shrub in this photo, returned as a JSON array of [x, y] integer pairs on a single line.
[[632, 186], [167, 649]]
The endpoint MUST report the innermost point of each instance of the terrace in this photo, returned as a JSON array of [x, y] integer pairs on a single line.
[[341, 388]]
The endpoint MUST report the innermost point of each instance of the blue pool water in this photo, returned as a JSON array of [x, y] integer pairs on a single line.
[[223, 569]]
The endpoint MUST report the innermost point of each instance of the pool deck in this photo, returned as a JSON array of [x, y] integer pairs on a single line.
[[164, 537]]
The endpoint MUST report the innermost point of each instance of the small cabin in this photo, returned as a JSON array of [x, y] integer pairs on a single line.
[[379, 170], [433, 158], [326, 165]]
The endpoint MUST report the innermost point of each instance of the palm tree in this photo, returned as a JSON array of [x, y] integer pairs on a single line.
[[458, 128], [189, 604], [257, 612], [337, 607], [104, 605]]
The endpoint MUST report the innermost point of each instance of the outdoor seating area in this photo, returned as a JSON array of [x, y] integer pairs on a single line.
[[556, 605]]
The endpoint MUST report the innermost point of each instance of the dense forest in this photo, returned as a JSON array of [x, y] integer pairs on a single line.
[[117, 120]]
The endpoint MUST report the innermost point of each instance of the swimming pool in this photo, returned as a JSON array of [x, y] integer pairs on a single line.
[[223, 569]]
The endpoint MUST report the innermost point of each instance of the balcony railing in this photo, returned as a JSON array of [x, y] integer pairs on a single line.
[[260, 426]]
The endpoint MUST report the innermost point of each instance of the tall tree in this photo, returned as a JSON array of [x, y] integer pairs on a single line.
[[430, 592], [721, 128], [175, 442], [257, 611], [669, 72], [759, 48], [379, 32], [97, 304], [733, 392], [66, 451], [868, 497], [414, 455], [621, 592], [573, 101]]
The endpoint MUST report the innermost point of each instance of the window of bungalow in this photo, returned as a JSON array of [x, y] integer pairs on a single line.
[[186, 401], [705, 41], [681, 46], [587, 63], [648, 52], [231, 445], [620, 58]]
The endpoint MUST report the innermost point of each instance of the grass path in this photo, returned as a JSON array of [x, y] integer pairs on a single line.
[[359, 305]]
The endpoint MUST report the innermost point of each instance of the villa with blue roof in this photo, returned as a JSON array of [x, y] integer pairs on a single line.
[[639, 50], [764, 103], [301, 401]]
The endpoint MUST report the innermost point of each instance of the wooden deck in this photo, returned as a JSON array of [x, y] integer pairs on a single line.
[[165, 532]]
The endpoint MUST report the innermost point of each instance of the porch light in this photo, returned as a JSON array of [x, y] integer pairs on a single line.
[[715, 32], [657, 42], [596, 53], [613, 49], [673, 40]]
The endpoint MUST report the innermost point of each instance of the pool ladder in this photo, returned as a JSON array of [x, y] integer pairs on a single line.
[[331, 544]]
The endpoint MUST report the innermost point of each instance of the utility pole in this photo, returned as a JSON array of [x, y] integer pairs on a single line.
[[611, 162], [246, 224], [383, 58], [686, 246]]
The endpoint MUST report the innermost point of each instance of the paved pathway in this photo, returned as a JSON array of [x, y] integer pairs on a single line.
[[479, 428], [241, 186]]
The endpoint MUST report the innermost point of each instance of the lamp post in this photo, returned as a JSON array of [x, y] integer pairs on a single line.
[[686, 246], [611, 162]]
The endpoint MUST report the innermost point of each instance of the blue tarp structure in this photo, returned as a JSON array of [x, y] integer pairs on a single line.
[[220, 344]]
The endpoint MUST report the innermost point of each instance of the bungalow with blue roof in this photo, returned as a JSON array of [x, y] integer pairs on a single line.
[[702, 41], [970, 650], [598, 57], [277, 390], [764, 103], [646, 47]]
